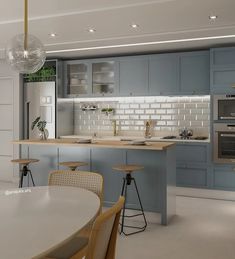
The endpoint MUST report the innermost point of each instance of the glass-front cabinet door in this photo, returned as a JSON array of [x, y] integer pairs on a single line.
[[77, 79], [104, 78]]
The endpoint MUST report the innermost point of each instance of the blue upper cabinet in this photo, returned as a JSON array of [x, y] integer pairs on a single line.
[[194, 72], [163, 74], [133, 76], [222, 70], [96, 77]]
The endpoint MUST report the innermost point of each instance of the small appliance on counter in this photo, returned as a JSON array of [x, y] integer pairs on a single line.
[[185, 133]]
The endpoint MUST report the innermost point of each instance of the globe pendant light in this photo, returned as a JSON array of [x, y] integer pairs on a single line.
[[25, 52]]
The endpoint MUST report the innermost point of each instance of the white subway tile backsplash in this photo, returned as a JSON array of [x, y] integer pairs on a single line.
[[134, 117], [202, 105], [134, 106], [131, 113], [161, 111], [144, 117], [166, 105], [139, 123], [196, 124], [206, 111], [139, 111], [202, 117], [165, 117], [172, 123], [161, 123], [150, 111], [124, 106], [178, 105], [124, 117], [155, 105], [144, 106], [155, 117], [172, 111], [196, 111], [190, 105]]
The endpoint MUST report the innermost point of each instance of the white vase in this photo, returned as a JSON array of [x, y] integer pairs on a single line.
[[43, 134]]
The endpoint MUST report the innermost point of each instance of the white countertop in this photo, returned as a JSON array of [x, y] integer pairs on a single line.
[[126, 138]]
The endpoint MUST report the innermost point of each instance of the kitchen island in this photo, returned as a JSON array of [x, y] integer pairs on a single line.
[[156, 182]]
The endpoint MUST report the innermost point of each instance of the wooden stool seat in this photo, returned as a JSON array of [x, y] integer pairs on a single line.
[[128, 168], [73, 164], [25, 171], [24, 161]]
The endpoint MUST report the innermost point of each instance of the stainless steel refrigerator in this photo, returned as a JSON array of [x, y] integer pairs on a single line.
[[40, 100]]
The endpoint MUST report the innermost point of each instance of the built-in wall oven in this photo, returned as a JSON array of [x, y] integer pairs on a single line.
[[224, 142], [224, 107]]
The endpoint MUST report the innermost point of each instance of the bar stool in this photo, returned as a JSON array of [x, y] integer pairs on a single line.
[[73, 165], [128, 170], [25, 169]]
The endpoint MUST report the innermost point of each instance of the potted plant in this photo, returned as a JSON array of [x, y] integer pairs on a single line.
[[107, 111], [41, 125]]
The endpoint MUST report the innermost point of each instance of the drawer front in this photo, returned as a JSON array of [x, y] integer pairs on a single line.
[[191, 153], [224, 178], [191, 177]]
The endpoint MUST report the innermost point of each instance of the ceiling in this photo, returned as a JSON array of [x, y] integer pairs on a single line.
[[163, 25]]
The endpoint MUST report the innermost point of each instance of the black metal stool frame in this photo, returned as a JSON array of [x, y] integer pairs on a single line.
[[24, 172], [127, 181]]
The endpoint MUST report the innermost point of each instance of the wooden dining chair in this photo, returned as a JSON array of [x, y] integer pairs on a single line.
[[102, 241], [88, 180]]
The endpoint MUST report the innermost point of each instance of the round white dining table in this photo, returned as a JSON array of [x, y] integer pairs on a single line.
[[33, 220]]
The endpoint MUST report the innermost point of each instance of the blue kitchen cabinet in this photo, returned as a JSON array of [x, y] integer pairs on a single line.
[[222, 57], [163, 74], [102, 161], [133, 76], [194, 70], [193, 167], [91, 77], [224, 177], [192, 176], [77, 79], [184, 73], [105, 77], [222, 74]]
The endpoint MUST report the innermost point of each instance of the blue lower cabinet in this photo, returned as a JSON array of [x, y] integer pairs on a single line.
[[102, 161], [192, 176], [192, 153], [224, 177], [48, 161]]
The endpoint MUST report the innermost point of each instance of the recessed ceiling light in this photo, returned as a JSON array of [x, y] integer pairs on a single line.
[[134, 26], [213, 17], [91, 30], [53, 35]]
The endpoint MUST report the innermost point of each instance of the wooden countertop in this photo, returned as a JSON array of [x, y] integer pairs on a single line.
[[98, 144]]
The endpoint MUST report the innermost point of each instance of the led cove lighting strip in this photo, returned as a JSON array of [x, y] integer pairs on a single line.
[[141, 44]]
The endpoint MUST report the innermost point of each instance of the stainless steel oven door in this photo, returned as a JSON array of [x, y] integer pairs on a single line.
[[224, 107], [224, 143]]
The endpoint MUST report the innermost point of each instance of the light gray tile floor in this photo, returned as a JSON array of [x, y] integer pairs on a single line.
[[202, 229]]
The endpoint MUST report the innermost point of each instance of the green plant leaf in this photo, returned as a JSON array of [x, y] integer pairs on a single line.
[[35, 122]]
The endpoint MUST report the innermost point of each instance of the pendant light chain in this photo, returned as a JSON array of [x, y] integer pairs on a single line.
[[25, 24]]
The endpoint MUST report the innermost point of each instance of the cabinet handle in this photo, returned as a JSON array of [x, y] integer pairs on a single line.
[[233, 86]]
